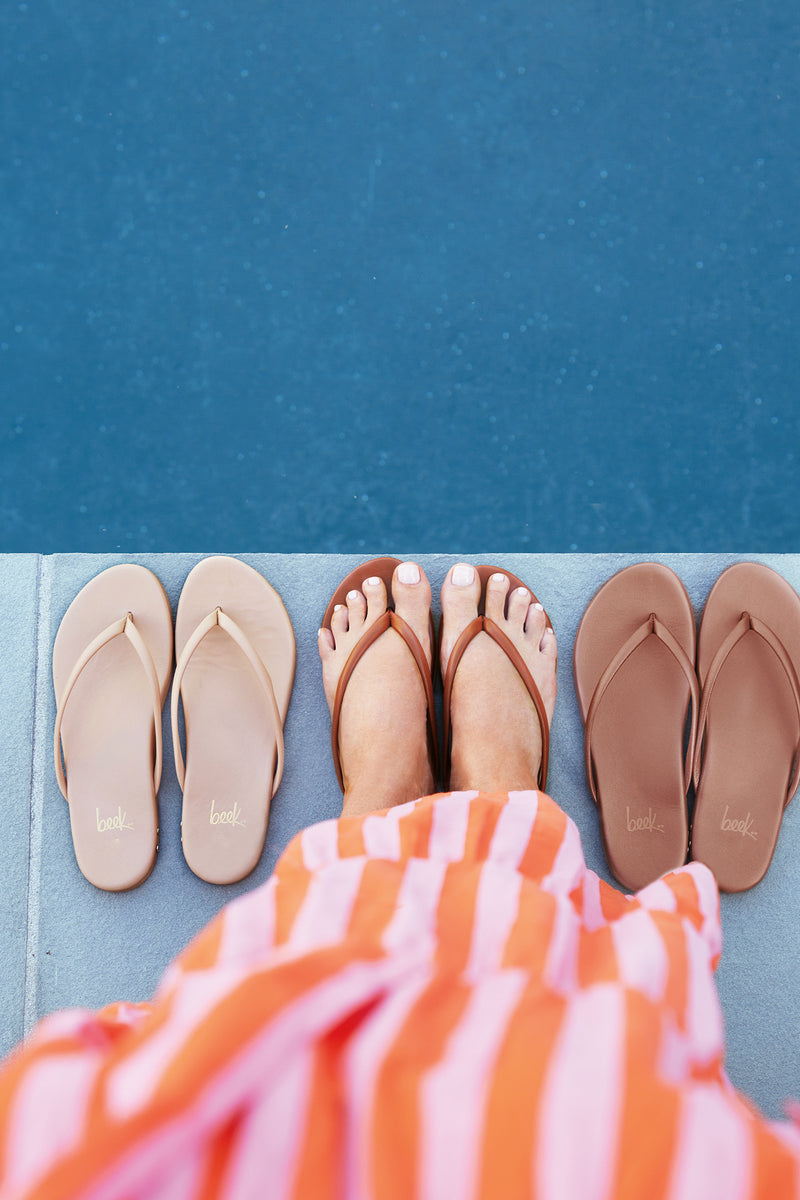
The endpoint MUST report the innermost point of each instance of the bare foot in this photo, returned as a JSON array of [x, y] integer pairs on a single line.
[[383, 738], [496, 738]]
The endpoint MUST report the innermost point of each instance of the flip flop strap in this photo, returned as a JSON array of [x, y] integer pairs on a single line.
[[220, 619], [484, 624], [652, 627], [126, 627], [388, 620], [744, 625]]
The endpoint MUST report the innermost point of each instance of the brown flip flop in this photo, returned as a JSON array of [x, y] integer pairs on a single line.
[[236, 663], [484, 624], [635, 679], [383, 569], [747, 764], [112, 658]]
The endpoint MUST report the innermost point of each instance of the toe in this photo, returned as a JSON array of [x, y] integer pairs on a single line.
[[518, 603], [326, 645], [535, 622], [412, 596], [460, 595], [549, 645], [339, 621], [356, 609], [374, 590], [497, 587]]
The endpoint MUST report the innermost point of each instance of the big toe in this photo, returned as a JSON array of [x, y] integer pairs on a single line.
[[411, 593], [461, 592]]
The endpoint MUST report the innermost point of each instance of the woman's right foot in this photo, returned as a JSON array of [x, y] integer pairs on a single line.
[[383, 731], [496, 738]]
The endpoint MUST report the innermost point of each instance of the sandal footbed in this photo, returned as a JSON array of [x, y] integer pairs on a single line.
[[231, 742], [107, 733], [752, 728], [638, 742]]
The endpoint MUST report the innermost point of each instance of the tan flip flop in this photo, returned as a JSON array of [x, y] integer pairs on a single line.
[[748, 753], [635, 679], [383, 569], [235, 671], [112, 658], [484, 624]]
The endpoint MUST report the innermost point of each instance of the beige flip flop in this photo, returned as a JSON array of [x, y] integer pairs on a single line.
[[635, 679], [236, 662], [747, 764], [112, 659]]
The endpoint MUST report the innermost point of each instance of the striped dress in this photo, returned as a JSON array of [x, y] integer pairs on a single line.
[[438, 1000]]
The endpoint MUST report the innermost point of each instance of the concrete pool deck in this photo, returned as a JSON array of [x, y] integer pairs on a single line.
[[66, 943]]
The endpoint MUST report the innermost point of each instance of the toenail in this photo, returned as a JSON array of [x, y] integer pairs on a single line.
[[463, 575], [539, 607], [352, 595], [338, 607], [373, 581], [408, 572], [522, 592], [498, 578]]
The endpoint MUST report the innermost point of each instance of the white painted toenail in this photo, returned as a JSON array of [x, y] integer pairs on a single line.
[[408, 572], [539, 607], [522, 592], [338, 607], [498, 578], [373, 581], [352, 595], [463, 575]]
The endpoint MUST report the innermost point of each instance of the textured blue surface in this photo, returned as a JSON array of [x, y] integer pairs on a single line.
[[302, 276]]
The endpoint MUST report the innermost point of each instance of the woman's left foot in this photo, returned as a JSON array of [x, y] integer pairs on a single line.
[[496, 737]]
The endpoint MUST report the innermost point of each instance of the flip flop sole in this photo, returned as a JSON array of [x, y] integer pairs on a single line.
[[638, 734], [107, 732], [231, 742], [751, 733]]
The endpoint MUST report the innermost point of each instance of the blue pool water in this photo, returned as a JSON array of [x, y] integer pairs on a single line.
[[303, 276]]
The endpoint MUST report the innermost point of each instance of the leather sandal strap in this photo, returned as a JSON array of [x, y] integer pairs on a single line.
[[220, 619], [746, 624], [484, 624], [652, 627], [126, 627], [388, 620]]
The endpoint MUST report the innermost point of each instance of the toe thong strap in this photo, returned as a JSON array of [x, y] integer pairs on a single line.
[[124, 627], [744, 625], [652, 627], [388, 620], [487, 625], [219, 618]]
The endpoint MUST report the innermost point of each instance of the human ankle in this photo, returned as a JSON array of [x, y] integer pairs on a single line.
[[366, 795], [493, 769]]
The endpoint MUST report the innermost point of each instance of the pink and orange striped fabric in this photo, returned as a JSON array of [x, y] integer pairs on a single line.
[[438, 1000]]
